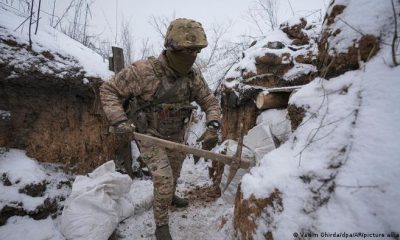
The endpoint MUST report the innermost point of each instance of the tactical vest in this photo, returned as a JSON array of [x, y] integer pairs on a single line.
[[166, 114]]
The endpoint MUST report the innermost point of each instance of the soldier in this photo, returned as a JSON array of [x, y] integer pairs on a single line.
[[160, 91]]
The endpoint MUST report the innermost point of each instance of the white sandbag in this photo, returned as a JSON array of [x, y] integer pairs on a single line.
[[278, 121], [229, 195], [98, 202], [256, 144], [260, 140]]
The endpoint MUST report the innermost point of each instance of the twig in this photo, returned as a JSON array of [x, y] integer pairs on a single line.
[[219, 81], [313, 12], [311, 140], [30, 24], [355, 29], [394, 36], [116, 21], [22, 23], [65, 12], [38, 17], [349, 186], [291, 8], [52, 14], [370, 53]]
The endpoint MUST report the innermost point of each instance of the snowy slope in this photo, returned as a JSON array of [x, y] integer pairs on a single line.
[[338, 172], [67, 53]]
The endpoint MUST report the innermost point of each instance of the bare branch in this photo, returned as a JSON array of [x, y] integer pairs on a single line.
[[65, 12], [291, 8], [38, 17], [256, 21], [395, 36], [349, 25], [264, 13], [26, 19], [127, 42], [349, 186], [310, 140], [218, 32], [30, 24], [52, 14], [160, 24], [116, 21]]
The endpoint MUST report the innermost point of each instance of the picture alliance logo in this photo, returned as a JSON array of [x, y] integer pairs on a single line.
[[394, 235]]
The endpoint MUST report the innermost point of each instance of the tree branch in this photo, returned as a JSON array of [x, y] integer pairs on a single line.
[[38, 17], [30, 24], [395, 36]]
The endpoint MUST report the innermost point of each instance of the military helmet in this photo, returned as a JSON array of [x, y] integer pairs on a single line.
[[185, 33]]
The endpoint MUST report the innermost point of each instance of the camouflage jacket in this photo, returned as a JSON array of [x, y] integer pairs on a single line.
[[142, 81]]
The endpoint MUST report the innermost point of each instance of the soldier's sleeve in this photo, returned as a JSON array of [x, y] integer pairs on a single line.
[[114, 92], [202, 94]]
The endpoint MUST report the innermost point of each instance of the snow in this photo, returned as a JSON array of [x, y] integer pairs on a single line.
[[248, 62], [199, 221], [366, 184], [298, 70], [338, 172], [47, 39], [20, 170], [5, 114], [372, 19], [21, 227], [288, 55], [371, 180], [278, 122]]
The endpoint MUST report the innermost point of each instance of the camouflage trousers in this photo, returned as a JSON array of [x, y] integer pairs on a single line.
[[165, 166]]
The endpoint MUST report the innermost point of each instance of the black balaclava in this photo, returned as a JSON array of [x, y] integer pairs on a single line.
[[180, 61]]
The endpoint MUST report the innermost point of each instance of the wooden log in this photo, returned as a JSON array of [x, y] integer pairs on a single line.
[[272, 100], [118, 59]]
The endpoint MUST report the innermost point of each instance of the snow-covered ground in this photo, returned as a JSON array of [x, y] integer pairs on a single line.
[[17, 170], [201, 220]]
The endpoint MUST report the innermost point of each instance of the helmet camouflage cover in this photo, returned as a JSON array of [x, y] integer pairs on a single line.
[[185, 33]]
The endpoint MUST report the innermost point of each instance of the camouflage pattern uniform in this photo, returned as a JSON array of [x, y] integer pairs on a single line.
[[159, 106]]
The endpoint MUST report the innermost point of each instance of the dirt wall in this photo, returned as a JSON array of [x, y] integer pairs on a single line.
[[55, 120]]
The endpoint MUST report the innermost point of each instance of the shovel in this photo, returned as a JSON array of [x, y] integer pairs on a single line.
[[235, 162]]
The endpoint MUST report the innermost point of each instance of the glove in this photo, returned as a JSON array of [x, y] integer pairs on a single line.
[[209, 138], [124, 127]]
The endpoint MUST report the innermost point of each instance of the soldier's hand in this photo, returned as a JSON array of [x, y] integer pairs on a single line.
[[124, 127], [209, 138]]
